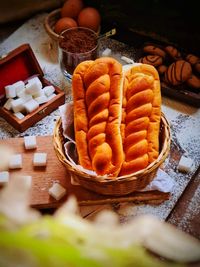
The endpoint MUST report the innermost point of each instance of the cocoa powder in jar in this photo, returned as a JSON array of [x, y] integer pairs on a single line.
[[77, 45]]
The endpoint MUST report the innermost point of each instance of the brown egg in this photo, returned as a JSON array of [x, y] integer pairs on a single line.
[[71, 8], [89, 17], [64, 24]]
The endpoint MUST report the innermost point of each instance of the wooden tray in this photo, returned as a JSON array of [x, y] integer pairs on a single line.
[[180, 92], [43, 178], [137, 40]]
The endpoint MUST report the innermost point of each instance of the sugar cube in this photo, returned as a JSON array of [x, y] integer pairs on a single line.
[[23, 95], [19, 92], [51, 96], [33, 86], [10, 91], [4, 177], [15, 161], [35, 80], [8, 104], [41, 99], [19, 115], [13, 89], [38, 93], [39, 159], [49, 90], [17, 105], [19, 86], [31, 105], [57, 191], [185, 164], [106, 52], [30, 142]]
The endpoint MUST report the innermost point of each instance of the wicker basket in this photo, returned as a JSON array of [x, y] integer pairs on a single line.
[[50, 22], [122, 185]]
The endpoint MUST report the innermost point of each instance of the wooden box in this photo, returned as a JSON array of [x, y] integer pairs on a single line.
[[21, 65]]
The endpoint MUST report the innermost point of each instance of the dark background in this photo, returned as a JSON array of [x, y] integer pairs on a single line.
[[172, 21]]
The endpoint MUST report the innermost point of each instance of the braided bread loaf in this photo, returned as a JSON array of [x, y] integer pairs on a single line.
[[97, 94], [116, 123], [141, 112]]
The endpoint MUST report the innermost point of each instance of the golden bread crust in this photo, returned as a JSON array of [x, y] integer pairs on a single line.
[[97, 95], [141, 113]]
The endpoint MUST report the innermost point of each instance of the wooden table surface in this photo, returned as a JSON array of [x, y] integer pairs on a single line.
[[181, 215]]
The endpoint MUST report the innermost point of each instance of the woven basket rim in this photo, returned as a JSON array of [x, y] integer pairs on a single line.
[[106, 179], [47, 26]]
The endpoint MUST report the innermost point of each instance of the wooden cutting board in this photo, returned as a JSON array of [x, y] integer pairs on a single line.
[[44, 177]]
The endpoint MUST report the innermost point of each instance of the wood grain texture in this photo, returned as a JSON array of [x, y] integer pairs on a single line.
[[186, 213], [44, 177]]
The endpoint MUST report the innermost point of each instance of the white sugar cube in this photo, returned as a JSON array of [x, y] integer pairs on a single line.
[[33, 86], [35, 80], [185, 164], [41, 99], [17, 105], [30, 142], [19, 115], [51, 96], [10, 91], [57, 191], [39, 159], [20, 92], [23, 95], [13, 89], [19, 86], [15, 161], [31, 105], [49, 90], [39, 93], [106, 52], [127, 60], [8, 104], [4, 177]]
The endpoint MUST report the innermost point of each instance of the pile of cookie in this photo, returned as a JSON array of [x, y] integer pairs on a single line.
[[174, 68]]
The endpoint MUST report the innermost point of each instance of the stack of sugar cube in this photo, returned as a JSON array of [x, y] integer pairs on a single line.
[[25, 98]]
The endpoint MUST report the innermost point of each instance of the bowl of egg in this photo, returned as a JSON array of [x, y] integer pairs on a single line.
[[73, 13]]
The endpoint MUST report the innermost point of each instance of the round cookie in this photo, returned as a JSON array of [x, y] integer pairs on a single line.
[[162, 69], [154, 50], [192, 59], [197, 67], [173, 52], [178, 72], [194, 82], [152, 60]]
